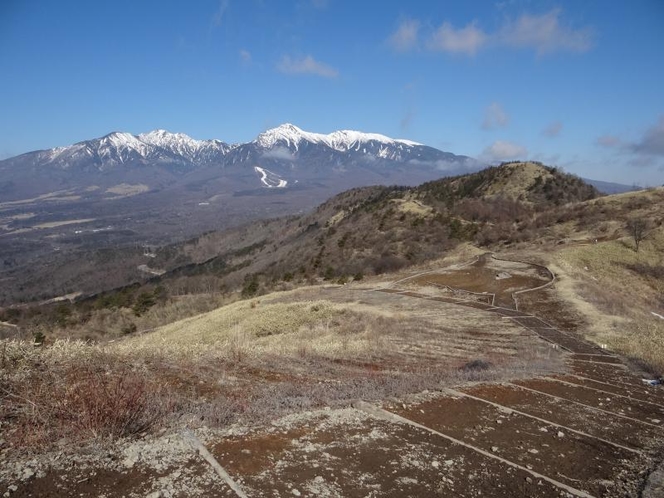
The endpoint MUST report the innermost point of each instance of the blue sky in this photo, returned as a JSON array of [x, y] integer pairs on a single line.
[[577, 84]]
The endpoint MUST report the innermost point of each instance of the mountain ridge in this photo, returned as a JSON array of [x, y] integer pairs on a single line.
[[181, 143], [292, 157], [285, 142]]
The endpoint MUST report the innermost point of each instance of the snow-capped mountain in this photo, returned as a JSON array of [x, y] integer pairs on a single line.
[[290, 151], [291, 136], [120, 148], [288, 155]]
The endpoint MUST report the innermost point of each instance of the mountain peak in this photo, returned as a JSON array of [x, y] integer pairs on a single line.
[[121, 139], [159, 137], [288, 127], [288, 133]]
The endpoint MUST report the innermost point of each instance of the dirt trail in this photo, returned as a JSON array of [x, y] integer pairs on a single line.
[[488, 279], [596, 431]]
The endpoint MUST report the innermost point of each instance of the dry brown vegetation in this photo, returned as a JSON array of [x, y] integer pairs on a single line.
[[619, 290], [253, 360]]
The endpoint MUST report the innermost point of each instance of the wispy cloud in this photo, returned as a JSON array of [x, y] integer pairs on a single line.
[[502, 151], [495, 117], [320, 4], [279, 153], [652, 142], [407, 119], [553, 129], [466, 41], [608, 141], [245, 56], [646, 152], [405, 36], [545, 34], [218, 15], [306, 65]]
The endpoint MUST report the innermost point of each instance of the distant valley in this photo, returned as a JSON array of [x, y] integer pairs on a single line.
[[160, 187]]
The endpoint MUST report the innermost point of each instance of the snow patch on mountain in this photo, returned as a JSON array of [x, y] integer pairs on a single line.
[[270, 179]]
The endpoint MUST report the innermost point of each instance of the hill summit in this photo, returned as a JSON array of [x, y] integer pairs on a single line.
[[530, 182]]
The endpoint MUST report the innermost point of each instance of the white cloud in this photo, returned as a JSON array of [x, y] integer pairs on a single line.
[[465, 41], [405, 37], [279, 153], [553, 129], [503, 151], [495, 117], [652, 142], [545, 34], [319, 4], [443, 165], [306, 65], [245, 56]]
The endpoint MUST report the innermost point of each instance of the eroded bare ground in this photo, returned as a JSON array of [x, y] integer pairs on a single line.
[[594, 430]]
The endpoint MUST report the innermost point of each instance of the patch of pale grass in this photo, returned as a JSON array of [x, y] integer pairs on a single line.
[[412, 207], [336, 218], [250, 329], [643, 340], [18, 357], [330, 339]]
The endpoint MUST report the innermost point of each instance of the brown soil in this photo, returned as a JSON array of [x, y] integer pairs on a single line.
[[545, 304], [528, 442], [88, 483], [642, 393], [584, 419], [614, 404], [490, 276], [617, 374]]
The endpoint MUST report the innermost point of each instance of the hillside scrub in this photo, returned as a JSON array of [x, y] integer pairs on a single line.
[[251, 360], [73, 392]]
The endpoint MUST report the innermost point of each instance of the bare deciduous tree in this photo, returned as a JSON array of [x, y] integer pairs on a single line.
[[637, 229]]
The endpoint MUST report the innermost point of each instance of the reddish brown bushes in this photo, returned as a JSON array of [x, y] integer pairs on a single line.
[[78, 400]]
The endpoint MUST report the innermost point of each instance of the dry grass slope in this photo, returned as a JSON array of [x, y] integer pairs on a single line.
[[618, 290], [253, 360]]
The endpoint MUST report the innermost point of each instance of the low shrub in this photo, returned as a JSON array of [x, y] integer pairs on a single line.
[[94, 397]]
